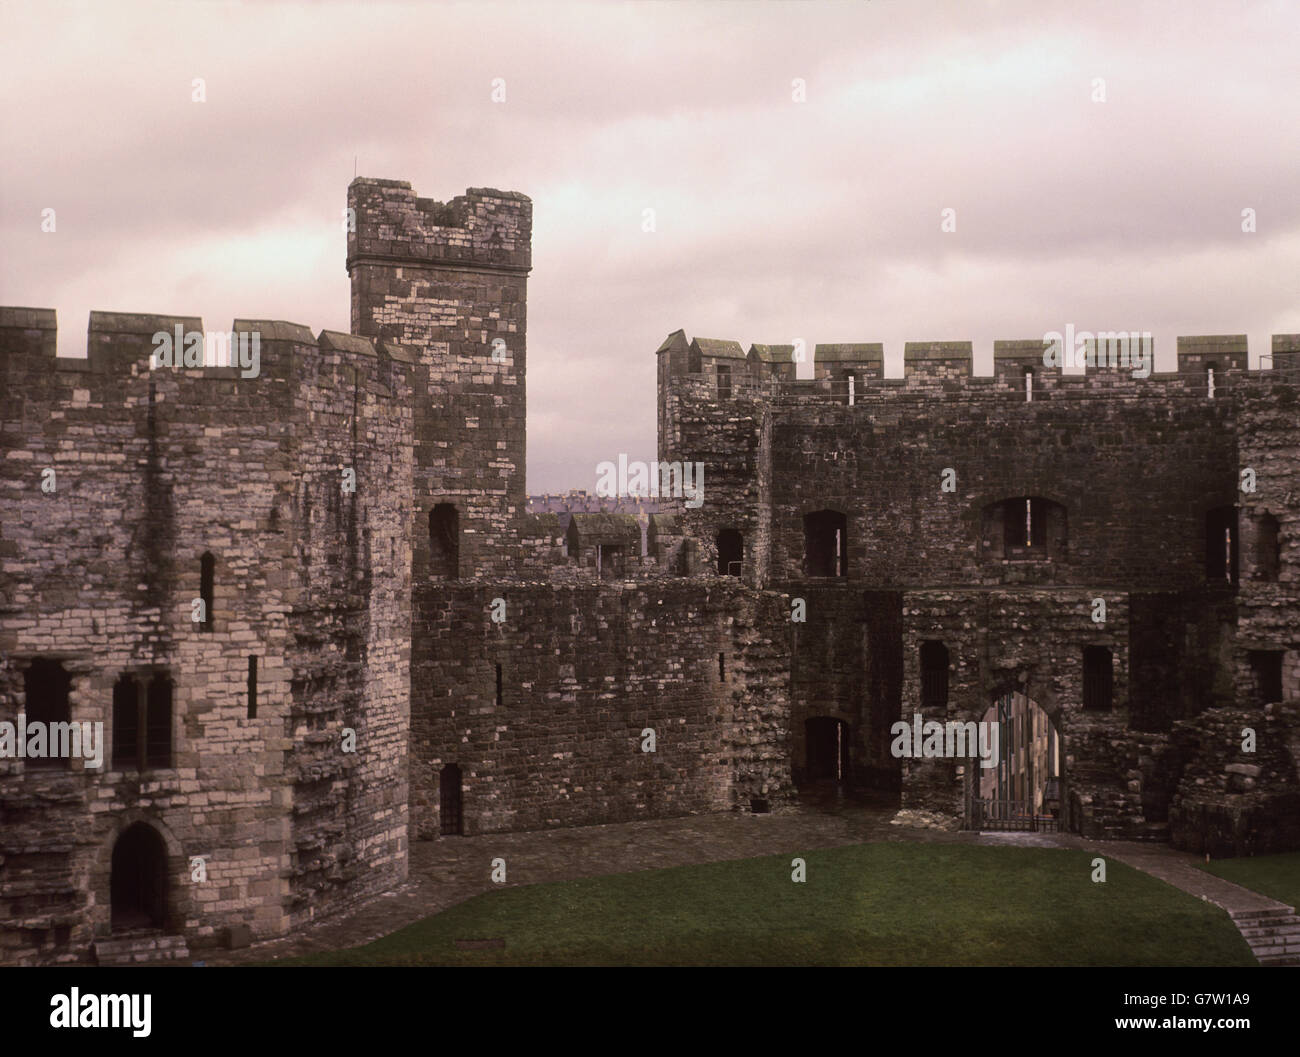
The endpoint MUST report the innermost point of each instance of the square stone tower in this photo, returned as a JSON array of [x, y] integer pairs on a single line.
[[450, 281]]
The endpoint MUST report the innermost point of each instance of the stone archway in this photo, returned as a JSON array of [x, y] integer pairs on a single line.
[[138, 879], [1025, 788]]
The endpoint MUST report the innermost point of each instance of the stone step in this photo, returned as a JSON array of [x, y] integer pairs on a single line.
[[141, 948], [1291, 928], [1273, 935]]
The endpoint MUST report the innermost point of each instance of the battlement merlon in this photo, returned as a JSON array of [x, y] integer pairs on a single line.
[[482, 230], [121, 347]]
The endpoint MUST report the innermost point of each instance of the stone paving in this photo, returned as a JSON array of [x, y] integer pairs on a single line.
[[451, 870]]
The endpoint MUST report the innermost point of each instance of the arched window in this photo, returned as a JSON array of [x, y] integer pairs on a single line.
[[825, 535], [731, 552], [1098, 679], [444, 541]]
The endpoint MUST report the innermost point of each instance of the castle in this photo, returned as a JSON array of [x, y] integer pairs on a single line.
[[314, 618]]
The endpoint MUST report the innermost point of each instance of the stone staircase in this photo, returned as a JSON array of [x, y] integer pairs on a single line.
[[140, 948], [1273, 935]]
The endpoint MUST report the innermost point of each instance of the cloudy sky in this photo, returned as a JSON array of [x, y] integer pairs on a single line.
[[1099, 157]]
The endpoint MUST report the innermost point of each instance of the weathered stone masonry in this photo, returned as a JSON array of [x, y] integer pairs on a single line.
[[366, 614]]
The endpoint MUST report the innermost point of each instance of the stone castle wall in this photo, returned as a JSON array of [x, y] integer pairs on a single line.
[[369, 607]]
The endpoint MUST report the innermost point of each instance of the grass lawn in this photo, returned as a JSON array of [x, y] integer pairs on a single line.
[[1277, 876], [873, 904]]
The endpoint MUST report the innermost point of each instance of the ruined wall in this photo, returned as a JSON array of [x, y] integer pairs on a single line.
[[1269, 600], [583, 671], [1230, 801]]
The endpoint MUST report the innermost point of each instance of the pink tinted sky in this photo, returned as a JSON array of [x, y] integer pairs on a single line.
[[775, 219]]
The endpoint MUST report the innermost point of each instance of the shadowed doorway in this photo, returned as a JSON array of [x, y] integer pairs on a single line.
[[139, 879]]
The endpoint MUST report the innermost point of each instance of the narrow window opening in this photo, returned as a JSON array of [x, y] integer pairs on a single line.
[[1210, 370], [126, 723], [724, 382], [252, 687], [207, 570], [46, 687], [1221, 544], [934, 675], [444, 541], [498, 686], [1098, 679], [1029, 384], [1268, 550], [731, 552], [722, 667], [1267, 666], [158, 723], [825, 543]]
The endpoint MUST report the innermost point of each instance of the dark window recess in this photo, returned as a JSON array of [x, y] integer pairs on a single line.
[[444, 541], [252, 687], [1268, 549], [825, 534], [498, 686], [609, 560], [934, 675], [722, 667], [207, 574], [142, 723], [759, 806], [724, 382], [1267, 666], [1221, 544], [158, 722], [731, 552], [1029, 527], [138, 880], [1025, 524], [126, 723], [46, 686], [1098, 679], [450, 801]]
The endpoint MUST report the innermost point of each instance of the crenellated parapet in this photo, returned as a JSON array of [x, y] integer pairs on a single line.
[[1118, 364]]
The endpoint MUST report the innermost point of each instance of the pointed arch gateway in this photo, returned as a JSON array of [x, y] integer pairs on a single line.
[[1024, 789]]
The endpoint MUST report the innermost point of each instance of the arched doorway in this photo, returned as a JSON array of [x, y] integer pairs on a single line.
[[1022, 790], [827, 742], [449, 801], [138, 885]]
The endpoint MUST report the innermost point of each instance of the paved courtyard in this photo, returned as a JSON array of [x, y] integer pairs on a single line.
[[453, 869]]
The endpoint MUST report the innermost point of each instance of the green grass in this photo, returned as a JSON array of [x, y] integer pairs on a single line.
[[873, 904], [1277, 876]]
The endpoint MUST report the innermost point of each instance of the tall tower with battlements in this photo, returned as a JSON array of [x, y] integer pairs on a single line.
[[450, 281]]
